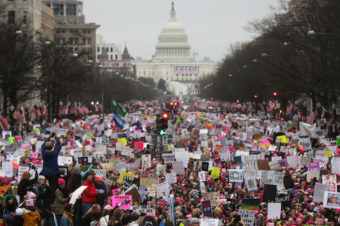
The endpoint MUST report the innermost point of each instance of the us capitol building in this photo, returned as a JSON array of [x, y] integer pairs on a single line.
[[173, 61]]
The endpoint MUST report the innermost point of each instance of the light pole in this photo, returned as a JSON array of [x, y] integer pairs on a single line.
[[102, 88]]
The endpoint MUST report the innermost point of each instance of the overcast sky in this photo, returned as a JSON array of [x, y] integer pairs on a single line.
[[212, 25]]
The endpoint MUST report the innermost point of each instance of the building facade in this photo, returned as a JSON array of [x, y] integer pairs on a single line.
[[47, 22], [173, 62], [112, 59], [71, 29]]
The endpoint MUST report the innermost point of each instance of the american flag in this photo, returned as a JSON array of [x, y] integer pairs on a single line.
[[64, 110], [35, 112], [81, 110], [3, 121], [44, 110], [86, 110]]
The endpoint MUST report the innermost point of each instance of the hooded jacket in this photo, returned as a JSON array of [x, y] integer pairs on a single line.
[[31, 218], [90, 193], [50, 157]]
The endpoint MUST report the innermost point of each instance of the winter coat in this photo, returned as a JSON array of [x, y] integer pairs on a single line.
[[31, 218], [26, 185], [101, 196], [44, 196], [50, 158], [90, 193], [59, 201]]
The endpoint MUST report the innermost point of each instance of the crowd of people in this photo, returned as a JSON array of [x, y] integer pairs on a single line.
[[213, 167]]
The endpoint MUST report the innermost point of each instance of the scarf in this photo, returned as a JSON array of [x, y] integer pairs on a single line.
[[69, 217]]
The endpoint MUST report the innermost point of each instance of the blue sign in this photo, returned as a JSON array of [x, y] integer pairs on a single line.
[[119, 121], [143, 191]]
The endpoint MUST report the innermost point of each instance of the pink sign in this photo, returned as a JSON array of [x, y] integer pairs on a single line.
[[313, 166], [25, 145], [122, 200], [264, 142]]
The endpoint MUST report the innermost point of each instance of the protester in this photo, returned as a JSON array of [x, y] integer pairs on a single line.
[[61, 198], [90, 193], [216, 169], [50, 150], [26, 184]]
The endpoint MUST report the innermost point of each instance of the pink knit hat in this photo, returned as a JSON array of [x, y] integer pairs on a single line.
[[29, 202], [61, 181], [31, 195]]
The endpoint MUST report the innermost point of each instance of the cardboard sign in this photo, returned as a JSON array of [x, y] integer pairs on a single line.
[[272, 177], [330, 180], [331, 200], [100, 172], [171, 178], [214, 198], [134, 193], [305, 143], [319, 191], [263, 165]]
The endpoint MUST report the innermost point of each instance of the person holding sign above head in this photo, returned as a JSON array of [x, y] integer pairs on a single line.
[[50, 150]]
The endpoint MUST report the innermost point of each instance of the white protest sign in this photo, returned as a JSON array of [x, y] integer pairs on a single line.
[[272, 177], [21, 170], [292, 161], [319, 191], [76, 193], [331, 200], [168, 158], [248, 216], [307, 130], [7, 167], [330, 180], [171, 178], [64, 160], [101, 148], [235, 175], [305, 143], [149, 209], [335, 165], [274, 210], [209, 222], [6, 133], [202, 176], [100, 172]]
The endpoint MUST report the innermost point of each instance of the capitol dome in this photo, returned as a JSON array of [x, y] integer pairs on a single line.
[[173, 43]]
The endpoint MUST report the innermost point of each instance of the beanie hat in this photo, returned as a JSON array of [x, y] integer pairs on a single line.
[[19, 212], [31, 195], [61, 181], [29, 202], [98, 178]]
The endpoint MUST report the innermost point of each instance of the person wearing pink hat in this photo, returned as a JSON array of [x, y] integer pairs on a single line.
[[31, 214], [61, 198], [101, 189]]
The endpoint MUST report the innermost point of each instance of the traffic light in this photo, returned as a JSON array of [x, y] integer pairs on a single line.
[[275, 94], [256, 96], [162, 124]]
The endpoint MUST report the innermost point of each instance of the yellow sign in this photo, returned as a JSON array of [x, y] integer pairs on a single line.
[[125, 174], [91, 135], [215, 173], [328, 154], [122, 140], [283, 139]]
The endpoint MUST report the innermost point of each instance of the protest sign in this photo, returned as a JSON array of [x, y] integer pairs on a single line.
[[126, 176], [148, 182], [250, 204], [202, 176], [215, 173], [330, 180], [305, 143], [64, 160], [248, 216], [269, 192], [144, 209], [292, 161], [101, 173], [7, 167], [319, 191], [146, 161], [163, 190], [263, 164], [171, 178], [133, 191], [274, 210], [313, 166], [272, 177], [235, 175], [275, 165], [206, 208], [143, 192], [307, 130], [22, 169], [335, 165], [214, 198], [251, 184], [209, 222], [178, 167], [303, 161], [123, 201], [168, 158], [76, 194], [331, 200], [313, 174]]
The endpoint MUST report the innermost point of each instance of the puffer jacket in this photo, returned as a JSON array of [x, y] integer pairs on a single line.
[[31, 218], [90, 193]]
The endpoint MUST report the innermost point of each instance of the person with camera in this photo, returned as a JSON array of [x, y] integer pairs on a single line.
[[50, 150]]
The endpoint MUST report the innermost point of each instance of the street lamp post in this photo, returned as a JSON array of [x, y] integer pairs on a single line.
[[102, 88]]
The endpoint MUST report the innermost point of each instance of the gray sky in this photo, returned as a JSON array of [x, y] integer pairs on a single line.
[[212, 25]]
